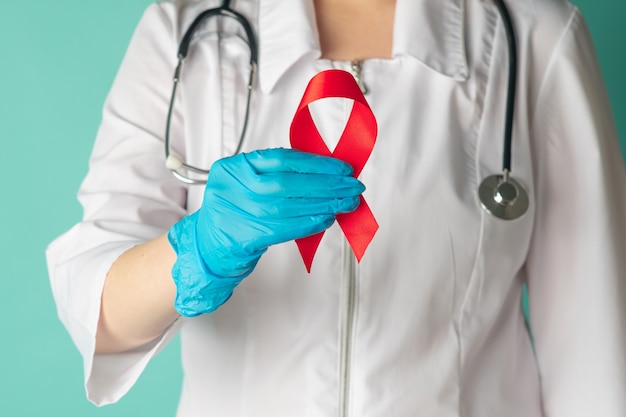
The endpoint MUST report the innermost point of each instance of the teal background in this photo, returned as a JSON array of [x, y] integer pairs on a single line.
[[58, 59]]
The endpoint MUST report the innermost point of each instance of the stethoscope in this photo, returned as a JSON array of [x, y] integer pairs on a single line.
[[500, 195]]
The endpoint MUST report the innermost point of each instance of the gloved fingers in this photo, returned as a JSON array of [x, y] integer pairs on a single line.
[[302, 186], [282, 208], [291, 160], [284, 173], [274, 231], [262, 198]]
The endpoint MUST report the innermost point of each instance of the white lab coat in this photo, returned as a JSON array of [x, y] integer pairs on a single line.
[[432, 323]]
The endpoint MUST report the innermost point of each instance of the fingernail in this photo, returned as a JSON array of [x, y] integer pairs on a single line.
[[349, 204], [359, 186]]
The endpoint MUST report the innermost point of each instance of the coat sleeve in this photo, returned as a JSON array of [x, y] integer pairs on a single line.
[[128, 197], [576, 267]]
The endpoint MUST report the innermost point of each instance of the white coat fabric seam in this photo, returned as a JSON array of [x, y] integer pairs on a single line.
[[573, 18], [457, 34], [487, 62]]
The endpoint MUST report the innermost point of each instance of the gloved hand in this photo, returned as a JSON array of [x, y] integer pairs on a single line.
[[252, 201]]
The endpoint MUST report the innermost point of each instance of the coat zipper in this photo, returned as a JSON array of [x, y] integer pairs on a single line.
[[347, 327], [349, 291], [356, 67]]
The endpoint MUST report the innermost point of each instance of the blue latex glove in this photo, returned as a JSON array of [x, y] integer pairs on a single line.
[[252, 201]]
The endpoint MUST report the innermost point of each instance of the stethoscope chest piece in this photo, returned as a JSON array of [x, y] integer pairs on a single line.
[[503, 197]]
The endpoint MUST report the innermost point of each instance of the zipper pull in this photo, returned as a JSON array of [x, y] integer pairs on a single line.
[[356, 67]]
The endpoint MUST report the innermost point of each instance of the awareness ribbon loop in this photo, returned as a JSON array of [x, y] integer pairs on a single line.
[[354, 147]]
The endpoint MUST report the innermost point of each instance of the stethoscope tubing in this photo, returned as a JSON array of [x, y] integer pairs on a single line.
[[173, 162], [511, 87]]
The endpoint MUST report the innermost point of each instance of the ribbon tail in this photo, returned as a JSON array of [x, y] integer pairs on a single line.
[[359, 227], [307, 247]]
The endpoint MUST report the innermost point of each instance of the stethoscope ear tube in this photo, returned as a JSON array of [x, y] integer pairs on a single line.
[[174, 162], [501, 195]]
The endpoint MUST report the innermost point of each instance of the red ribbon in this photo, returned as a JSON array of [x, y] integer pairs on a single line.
[[354, 147]]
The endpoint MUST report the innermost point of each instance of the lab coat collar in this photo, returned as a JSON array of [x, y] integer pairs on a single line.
[[431, 31]]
